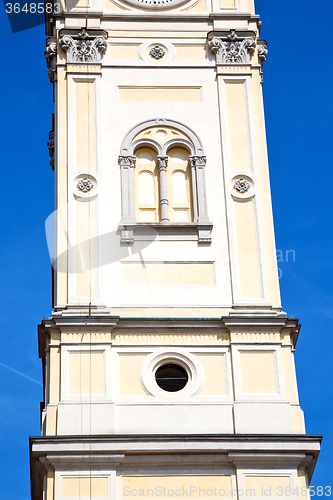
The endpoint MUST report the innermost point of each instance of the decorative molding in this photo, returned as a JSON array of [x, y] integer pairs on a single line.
[[179, 231], [50, 146], [198, 164], [198, 161], [162, 163], [262, 54], [157, 52], [152, 339], [201, 224], [262, 50], [232, 48], [181, 357], [255, 337], [242, 185], [79, 337], [51, 58], [85, 184], [127, 161], [128, 145], [83, 46], [127, 164]]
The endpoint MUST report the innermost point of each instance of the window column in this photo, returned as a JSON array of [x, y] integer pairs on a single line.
[[162, 162]]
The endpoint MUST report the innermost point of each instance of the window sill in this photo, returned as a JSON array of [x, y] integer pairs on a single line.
[[171, 231]]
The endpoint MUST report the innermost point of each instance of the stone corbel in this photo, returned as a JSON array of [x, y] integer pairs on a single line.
[[232, 47], [50, 146], [51, 58], [83, 46], [262, 51], [262, 54]]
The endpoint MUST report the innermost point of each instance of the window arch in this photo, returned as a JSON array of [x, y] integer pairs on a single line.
[[163, 177]]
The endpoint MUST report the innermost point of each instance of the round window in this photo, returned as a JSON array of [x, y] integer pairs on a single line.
[[171, 377]]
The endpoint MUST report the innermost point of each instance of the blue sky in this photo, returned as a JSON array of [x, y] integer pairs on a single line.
[[299, 110]]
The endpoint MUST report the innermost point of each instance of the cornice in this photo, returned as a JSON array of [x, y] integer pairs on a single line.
[[161, 16]]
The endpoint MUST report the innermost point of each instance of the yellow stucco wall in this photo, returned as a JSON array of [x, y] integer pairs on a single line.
[[190, 53], [85, 124], [167, 274], [160, 94], [265, 193], [85, 487], [258, 372], [124, 52], [129, 369], [86, 373], [238, 128], [177, 483], [247, 253], [86, 248], [273, 485], [214, 373]]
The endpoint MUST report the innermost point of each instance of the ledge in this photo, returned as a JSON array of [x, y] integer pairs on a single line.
[[174, 231]]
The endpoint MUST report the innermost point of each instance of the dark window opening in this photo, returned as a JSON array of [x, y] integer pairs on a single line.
[[171, 377]]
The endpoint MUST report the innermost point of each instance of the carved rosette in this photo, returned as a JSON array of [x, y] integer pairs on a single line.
[[157, 52], [232, 48], [84, 47], [242, 185], [51, 59], [85, 185]]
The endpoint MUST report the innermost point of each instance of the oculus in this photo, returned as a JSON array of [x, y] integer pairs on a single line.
[[171, 377]]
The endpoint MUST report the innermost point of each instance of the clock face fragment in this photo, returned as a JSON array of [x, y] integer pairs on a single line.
[[156, 4]]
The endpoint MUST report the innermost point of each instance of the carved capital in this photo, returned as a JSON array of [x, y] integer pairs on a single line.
[[83, 46], [198, 161], [51, 58], [232, 48], [162, 162], [126, 161]]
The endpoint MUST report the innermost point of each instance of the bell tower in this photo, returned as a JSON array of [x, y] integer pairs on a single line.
[[168, 361]]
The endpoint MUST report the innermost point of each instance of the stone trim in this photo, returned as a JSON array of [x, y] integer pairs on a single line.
[[197, 161], [82, 46], [51, 58], [233, 47]]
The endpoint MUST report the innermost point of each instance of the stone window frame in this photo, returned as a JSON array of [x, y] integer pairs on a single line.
[[130, 229]]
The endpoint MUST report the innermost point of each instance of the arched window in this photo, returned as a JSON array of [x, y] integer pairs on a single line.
[[179, 185], [146, 186], [163, 180]]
